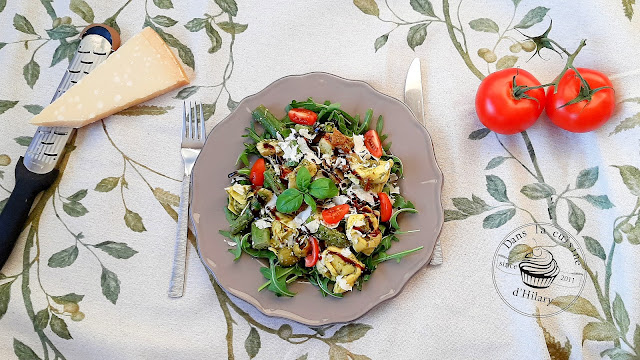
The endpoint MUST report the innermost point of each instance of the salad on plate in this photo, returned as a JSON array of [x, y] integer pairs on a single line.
[[321, 201]]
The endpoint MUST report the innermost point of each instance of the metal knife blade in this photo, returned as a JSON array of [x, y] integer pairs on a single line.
[[413, 91], [36, 171], [414, 99]]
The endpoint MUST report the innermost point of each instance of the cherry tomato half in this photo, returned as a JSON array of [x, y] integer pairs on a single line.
[[312, 258], [585, 115], [256, 176], [372, 142], [334, 214], [303, 116], [499, 110], [385, 207]]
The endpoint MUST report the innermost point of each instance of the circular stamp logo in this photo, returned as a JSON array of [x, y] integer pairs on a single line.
[[536, 270]]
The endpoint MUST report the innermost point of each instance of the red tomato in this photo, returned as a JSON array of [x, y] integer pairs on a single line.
[[311, 259], [372, 142], [333, 215], [585, 115], [385, 207], [498, 108], [303, 116], [257, 173]]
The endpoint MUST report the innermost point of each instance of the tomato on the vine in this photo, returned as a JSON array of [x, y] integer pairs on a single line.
[[505, 108], [585, 115], [256, 176]]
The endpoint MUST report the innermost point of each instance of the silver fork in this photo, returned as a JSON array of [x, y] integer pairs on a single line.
[[193, 136]]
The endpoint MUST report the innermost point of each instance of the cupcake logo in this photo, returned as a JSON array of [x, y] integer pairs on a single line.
[[537, 270]]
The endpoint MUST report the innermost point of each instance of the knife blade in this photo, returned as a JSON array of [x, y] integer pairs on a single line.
[[36, 171], [414, 99]]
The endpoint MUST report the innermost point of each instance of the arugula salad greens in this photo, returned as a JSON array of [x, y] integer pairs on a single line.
[[322, 200]]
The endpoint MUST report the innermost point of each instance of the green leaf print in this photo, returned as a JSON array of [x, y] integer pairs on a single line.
[[617, 354], [627, 6], [5, 296], [484, 24], [497, 188], [23, 140], [208, 110], [599, 331], [228, 6], [594, 247], [518, 253], [163, 20], [424, 7], [62, 32], [195, 24], [533, 17], [186, 92], [3, 4], [33, 109], [469, 207], [78, 195], [110, 285], [252, 343], [416, 35], [69, 298], [498, 218], [6, 105], [31, 72], [636, 337], [576, 216], [163, 4], [451, 215], [116, 249], [587, 178], [74, 209], [368, 7], [59, 327], [24, 352], [479, 134], [5, 160], [599, 201], [64, 258], [2, 45], [285, 331], [42, 319], [579, 305], [185, 54], [231, 104], [620, 315], [537, 191], [505, 62], [107, 184], [232, 27], [631, 178], [134, 221], [23, 25], [351, 332], [113, 23], [380, 41], [627, 124], [214, 37], [82, 9]]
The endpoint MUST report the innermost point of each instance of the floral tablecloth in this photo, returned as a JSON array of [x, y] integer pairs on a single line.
[[89, 275]]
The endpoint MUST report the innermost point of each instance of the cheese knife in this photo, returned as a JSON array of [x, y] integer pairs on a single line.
[[36, 170], [414, 99]]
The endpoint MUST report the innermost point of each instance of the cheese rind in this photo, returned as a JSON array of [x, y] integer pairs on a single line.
[[143, 68]]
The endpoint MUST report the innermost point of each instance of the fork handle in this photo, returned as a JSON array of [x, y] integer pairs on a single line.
[[176, 287]]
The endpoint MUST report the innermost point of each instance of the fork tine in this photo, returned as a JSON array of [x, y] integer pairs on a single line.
[[184, 119], [190, 120], [202, 128], [196, 126]]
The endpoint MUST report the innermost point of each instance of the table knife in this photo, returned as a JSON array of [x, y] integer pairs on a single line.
[[414, 99], [36, 170]]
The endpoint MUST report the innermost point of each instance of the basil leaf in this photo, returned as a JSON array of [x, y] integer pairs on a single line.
[[323, 189], [303, 179], [289, 201], [309, 200]]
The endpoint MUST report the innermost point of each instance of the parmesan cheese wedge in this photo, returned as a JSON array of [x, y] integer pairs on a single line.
[[141, 69]]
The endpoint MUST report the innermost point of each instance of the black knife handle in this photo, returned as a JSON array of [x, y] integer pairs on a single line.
[[16, 210]]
